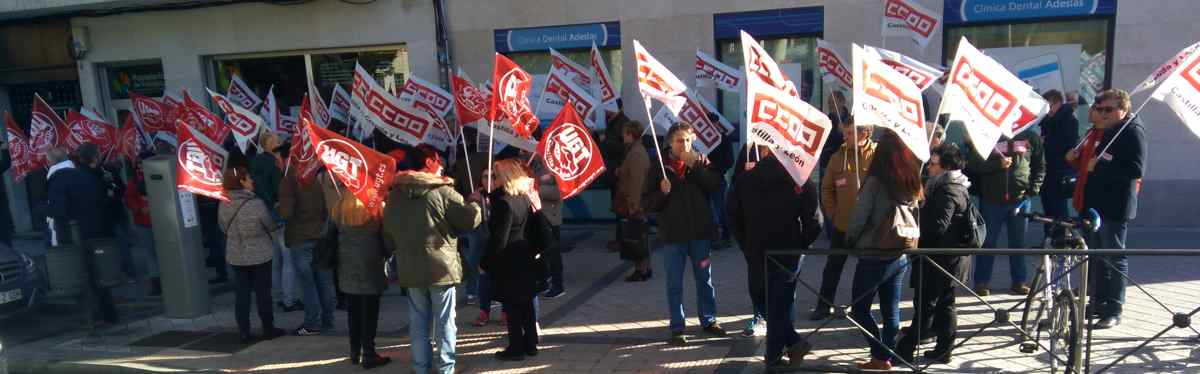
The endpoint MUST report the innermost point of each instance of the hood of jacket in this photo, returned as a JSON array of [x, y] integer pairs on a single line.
[[416, 184], [948, 177]]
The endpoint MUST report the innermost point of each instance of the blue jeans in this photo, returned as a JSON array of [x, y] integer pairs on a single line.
[[781, 299], [675, 257], [283, 274], [996, 217], [476, 248], [1109, 284], [432, 305], [868, 274], [316, 286], [143, 241]]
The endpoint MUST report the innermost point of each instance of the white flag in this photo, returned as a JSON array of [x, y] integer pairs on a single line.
[[1166, 69], [608, 94], [241, 93], [578, 75], [1181, 91], [922, 74], [244, 123], [725, 77], [907, 18], [655, 81], [883, 97], [559, 90], [316, 103], [339, 104], [985, 96], [379, 110], [270, 112], [833, 66]]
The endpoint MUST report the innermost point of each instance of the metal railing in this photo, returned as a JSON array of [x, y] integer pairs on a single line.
[[1079, 360]]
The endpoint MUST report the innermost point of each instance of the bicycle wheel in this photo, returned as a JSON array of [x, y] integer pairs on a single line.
[[1063, 335], [1034, 307]]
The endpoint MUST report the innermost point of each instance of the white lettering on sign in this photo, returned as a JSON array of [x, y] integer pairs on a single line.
[[989, 98], [351, 167]]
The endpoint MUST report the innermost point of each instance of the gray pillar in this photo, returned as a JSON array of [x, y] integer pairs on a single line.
[[176, 228]]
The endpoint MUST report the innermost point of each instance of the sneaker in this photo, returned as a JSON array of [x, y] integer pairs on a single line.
[[1020, 289], [983, 290], [554, 292], [306, 331], [677, 339], [715, 330], [875, 364], [482, 320], [753, 327], [472, 299]]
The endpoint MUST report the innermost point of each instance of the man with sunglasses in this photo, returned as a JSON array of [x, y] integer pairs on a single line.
[[1110, 162]]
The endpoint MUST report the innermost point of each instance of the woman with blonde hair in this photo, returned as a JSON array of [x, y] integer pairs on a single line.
[[360, 262], [510, 259]]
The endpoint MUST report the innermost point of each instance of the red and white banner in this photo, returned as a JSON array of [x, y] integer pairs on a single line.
[[1166, 69], [985, 96], [241, 94], [23, 161], [46, 129], [570, 70], [365, 172], [201, 119], [1181, 91], [171, 104], [725, 77], [270, 112], [288, 124], [833, 66], [302, 157], [320, 112], [418, 92], [470, 102], [339, 104], [244, 123], [378, 109], [570, 154], [1033, 109], [655, 81], [886, 98], [150, 114], [907, 18], [922, 74], [129, 140], [510, 97], [201, 164], [608, 94], [83, 129], [778, 118], [694, 112], [559, 91]]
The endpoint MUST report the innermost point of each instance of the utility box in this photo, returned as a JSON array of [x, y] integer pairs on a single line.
[[177, 240]]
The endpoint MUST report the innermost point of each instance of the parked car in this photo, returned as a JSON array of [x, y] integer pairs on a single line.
[[22, 281]]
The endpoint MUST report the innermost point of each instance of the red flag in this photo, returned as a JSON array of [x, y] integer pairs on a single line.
[[244, 123], [129, 140], [23, 161], [511, 96], [365, 172], [46, 129], [470, 103], [83, 129], [303, 156], [151, 114], [568, 151], [201, 163], [200, 119]]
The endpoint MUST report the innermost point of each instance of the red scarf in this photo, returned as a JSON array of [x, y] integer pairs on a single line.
[[1088, 152], [678, 166]]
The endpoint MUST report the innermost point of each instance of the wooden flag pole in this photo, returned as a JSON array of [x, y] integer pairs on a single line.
[[654, 136]]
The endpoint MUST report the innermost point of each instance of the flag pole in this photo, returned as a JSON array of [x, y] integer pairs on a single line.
[[1122, 129], [654, 136], [466, 155], [491, 139]]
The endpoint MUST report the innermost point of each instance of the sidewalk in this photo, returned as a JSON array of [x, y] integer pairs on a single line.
[[605, 325]]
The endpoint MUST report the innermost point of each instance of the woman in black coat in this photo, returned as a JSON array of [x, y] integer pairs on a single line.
[[510, 259], [942, 219]]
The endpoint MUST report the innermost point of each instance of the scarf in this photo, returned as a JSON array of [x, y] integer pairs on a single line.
[[1092, 140], [678, 166]]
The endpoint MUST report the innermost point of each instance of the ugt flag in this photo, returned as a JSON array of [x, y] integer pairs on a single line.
[[985, 96], [86, 129], [725, 77], [201, 164], [510, 97], [777, 117], [23, 161], [365, 172], [568, 151], [888, 99], [1181, 91], [152, 115], [470, 102], [302, 158], [46, 129], [907, 18]]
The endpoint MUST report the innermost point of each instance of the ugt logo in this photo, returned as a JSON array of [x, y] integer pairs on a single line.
[[351, 167], [473, 99], [203, 166], [42, 131], [514, 88], [569, 151]]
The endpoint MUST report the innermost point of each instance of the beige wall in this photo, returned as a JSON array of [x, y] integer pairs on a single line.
[[183, 38]]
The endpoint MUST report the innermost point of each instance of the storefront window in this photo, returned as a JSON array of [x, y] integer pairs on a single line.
[[796, 57], [143, 79], [285, 73], [388, 67]]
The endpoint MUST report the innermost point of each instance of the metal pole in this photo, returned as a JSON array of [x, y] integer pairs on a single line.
[[654, 136], [1080, 317]]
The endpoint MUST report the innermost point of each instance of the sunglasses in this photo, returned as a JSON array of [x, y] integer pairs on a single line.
[[1104, 109]]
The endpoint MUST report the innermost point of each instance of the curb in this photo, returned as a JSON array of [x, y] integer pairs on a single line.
[[23, 366]]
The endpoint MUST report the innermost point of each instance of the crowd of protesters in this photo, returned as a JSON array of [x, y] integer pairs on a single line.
[[496, 229]]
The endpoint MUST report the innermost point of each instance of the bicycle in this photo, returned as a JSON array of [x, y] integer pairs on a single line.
[[1053, 310]]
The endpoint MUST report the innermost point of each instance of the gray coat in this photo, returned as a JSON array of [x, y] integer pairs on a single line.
[[360, 259], [248, 238]]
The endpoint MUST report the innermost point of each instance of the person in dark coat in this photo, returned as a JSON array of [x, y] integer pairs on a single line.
[[942, 222], [768, 212], [511, 260], [76, 195], [360, 262], [1110, 177], [1060, 134], [721, 160]]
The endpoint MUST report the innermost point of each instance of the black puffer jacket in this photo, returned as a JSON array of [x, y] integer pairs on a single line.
[[767, 212], [942, 218]]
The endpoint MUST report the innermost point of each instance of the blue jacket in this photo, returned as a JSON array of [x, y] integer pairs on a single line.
[[1060, 133]]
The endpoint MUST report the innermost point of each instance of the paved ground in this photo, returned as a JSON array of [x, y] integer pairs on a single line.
[[606, 325]]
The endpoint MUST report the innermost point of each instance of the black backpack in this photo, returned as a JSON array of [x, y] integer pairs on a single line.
[[973, 228]]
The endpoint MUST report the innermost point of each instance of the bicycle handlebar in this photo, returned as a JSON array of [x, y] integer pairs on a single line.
[[1090, 223]]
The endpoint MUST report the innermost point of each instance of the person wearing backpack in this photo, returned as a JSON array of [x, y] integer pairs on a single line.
[[944, 224], [884, 219]]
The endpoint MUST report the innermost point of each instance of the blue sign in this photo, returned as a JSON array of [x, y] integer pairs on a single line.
[[964, 11], [767, 23], [558, 37]]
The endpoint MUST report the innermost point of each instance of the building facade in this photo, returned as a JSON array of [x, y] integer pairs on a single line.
[[158, 49]]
